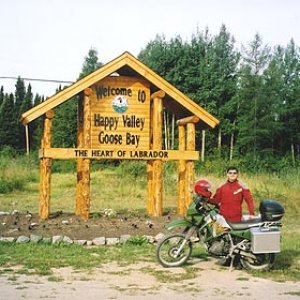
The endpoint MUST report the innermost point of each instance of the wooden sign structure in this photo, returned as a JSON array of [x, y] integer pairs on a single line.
[[120, 110]]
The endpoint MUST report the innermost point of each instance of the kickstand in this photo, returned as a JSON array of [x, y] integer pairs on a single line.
[[231, 263]]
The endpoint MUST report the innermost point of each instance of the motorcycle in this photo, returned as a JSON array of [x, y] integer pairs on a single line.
[[252, 243]]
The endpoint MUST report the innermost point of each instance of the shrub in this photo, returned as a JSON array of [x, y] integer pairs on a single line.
[[11, 184], [16, 172], [133, 168], [63, 166], [137, 240]]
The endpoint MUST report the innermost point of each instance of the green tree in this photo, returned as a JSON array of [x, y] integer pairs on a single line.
[[223, 75], [291, 101], [8, 123], [26, 105], [253, 107], [168, 60], [90, 64], [65, 124], [204, 68], [273, 92], [155, 54], [20, 93], [1, 96], [36, 125], [65, 120]]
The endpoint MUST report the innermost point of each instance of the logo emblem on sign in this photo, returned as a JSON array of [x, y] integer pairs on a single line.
[[120, 104]]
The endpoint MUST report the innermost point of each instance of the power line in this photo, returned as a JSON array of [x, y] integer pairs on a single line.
[[37, 79]]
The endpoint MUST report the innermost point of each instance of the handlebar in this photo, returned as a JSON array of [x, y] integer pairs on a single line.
[[202, 203]]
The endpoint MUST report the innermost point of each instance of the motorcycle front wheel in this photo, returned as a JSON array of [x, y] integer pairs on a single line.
[[173, 250], [262, 262]]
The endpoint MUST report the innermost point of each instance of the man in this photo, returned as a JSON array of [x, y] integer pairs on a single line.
[[230, 196]]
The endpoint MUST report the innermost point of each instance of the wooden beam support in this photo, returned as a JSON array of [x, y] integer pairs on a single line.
[[190, 167], [203, 146], [159, 95], [79, 161], [181, 209], [45, 169], [154, 169], [150, 187], [103, 153], [185, 121], [27, 140], [83, 164]]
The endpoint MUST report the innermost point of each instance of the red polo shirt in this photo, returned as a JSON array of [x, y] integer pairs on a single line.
[[230, 196]]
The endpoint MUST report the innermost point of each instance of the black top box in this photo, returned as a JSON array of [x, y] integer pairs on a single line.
[[271, 210]]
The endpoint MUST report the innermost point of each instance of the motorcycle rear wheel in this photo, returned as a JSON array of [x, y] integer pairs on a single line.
[[263, 262], [173, 250]]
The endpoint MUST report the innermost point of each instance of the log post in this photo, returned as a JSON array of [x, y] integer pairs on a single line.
[[79, 145], [27, 139], [181, 173], [150, 193], [83, 164], [190, 165], [188, 187], [154, 168], [45, 168], [203, 146]]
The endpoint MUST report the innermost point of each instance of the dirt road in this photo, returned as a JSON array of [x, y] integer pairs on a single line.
[[145, 281]]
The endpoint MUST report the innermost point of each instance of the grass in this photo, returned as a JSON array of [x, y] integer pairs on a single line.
[[115, 188], [293, 293], [125, 187], [41, 259], [162, 276]]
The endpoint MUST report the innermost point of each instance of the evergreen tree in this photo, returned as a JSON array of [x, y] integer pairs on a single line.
[[19, 99], [65, 124], [252, 129], [65, 120], [291, 101], [274, 98], [223, 74], [19, 96], [36, 125], [1, 96], [155, 55], [197, 81], [8, 123], [26, 105], [90, 64], [28, 100]]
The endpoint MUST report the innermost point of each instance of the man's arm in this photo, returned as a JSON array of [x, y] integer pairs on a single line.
[[216, 198], [249, 200]]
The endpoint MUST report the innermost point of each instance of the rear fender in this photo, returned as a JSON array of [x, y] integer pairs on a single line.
[[178, 223]]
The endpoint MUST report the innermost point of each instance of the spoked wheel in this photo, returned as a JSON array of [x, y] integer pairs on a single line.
[[262, 262], [173, 250]]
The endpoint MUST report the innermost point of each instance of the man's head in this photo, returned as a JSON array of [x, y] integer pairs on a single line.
[[232, 174]]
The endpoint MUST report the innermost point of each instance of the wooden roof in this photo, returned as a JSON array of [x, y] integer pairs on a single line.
[[126, 64]]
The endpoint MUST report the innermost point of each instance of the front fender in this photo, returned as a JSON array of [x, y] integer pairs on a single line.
[[178, 223]]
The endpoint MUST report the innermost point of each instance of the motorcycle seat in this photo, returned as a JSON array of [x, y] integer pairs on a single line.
[[244, 224]]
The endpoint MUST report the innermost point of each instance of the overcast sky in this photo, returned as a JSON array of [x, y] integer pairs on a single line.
[[49, 39]]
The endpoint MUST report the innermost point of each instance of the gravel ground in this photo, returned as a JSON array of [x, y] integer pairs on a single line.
[[137, 281]]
